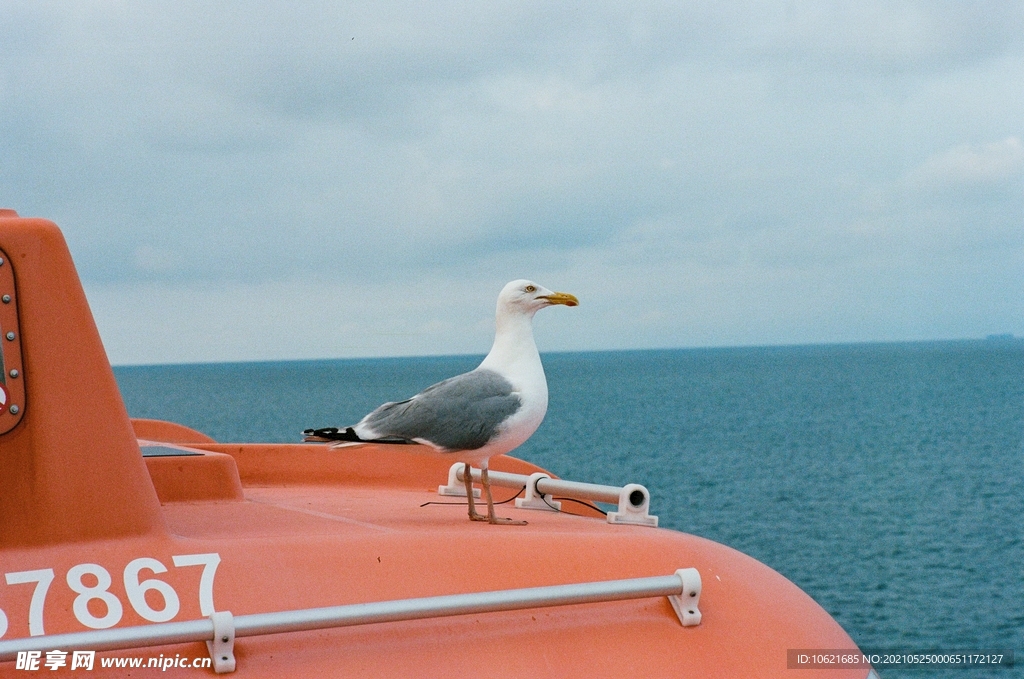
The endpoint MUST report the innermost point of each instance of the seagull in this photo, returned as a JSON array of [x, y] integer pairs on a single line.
[[476, 415]]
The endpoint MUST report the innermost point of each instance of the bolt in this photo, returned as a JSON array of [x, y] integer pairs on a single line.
[[14, 373], [10, 335], [7, 299], [1, 261], [15, 409]]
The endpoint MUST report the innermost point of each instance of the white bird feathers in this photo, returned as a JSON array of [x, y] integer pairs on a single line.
[[477, 415]]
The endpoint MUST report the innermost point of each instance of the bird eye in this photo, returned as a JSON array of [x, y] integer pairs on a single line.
[[531, 288]]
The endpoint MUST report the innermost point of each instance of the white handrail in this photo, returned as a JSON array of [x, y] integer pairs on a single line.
[[633, 500], [682, 588]]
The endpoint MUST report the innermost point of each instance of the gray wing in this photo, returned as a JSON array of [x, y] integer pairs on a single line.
[[460, 413]]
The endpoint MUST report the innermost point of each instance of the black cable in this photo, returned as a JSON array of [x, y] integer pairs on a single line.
[[466, 504], [572, 499], [543, 497]]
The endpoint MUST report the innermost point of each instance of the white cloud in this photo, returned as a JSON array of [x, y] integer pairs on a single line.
[[264, 160], [900, 35], [971, 164]]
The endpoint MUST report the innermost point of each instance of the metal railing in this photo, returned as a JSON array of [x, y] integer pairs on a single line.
[[221, 629], [633, 500]]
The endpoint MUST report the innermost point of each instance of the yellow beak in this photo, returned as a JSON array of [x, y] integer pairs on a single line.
[[562, 298]]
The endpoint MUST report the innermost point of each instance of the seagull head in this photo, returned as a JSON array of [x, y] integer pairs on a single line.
[[526, 297]]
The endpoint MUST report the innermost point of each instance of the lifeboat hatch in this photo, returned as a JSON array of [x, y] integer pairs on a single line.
[[12, 384]]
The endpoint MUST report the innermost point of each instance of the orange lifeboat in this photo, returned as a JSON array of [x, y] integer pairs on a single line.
[[140, 545]]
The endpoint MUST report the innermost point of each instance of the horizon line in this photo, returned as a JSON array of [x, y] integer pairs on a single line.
[[990, 338]]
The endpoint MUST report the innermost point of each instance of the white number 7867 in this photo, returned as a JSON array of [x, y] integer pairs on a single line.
[[134, 588]]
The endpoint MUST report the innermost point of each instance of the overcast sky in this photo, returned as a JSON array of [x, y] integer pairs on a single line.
[[277, 180]]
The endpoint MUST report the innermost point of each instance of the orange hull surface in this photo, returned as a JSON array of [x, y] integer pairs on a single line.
[[94, 536]]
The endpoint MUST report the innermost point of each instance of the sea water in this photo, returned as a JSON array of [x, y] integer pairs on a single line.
[[885, 480]]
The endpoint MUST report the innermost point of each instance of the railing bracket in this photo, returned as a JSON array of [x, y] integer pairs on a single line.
[[534, 498], [456, 487], [222, 646], [686, 603]]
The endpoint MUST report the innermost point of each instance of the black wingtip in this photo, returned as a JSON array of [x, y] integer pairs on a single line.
[[331, 434]]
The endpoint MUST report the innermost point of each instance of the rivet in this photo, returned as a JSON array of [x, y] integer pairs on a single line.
[[14, 373], [1, 261], [14, 409], [7, 299], [10, 335]]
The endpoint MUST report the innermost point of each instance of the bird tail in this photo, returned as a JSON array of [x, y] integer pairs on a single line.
[[346, 435], [330, 435]]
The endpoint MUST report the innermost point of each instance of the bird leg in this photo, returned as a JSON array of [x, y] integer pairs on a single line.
[[491, 518], [467, 478]]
